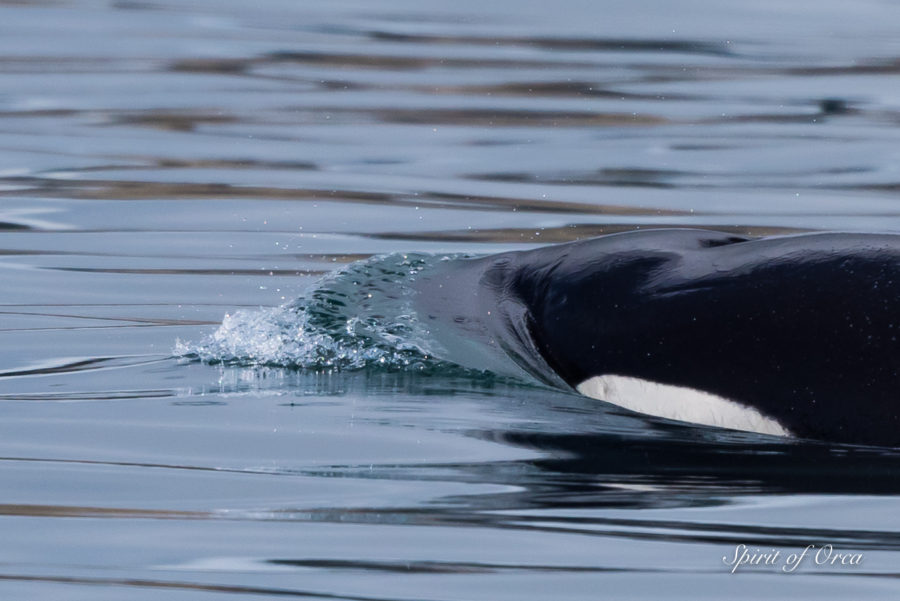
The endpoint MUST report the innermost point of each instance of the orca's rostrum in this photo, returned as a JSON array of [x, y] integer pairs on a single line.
[[792, 335]]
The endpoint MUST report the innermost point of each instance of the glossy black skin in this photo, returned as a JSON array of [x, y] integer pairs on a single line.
[[803, 328]]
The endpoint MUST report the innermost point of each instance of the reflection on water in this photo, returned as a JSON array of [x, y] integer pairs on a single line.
[[163, 164]]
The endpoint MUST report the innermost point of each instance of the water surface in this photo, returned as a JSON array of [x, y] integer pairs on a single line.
[[165, 164]]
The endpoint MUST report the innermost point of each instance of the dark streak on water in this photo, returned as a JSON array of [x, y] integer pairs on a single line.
[[165, 163]]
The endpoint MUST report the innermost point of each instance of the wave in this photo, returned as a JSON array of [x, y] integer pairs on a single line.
[[359, 317]]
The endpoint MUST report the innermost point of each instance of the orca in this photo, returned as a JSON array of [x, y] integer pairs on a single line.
[[789, 335]]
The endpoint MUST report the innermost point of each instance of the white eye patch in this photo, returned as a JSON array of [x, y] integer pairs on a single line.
[[679, 403]]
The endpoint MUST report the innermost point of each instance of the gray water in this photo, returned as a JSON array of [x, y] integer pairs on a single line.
[[166, 164]]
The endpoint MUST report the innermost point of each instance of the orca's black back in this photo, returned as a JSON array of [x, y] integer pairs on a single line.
[[803, 328]]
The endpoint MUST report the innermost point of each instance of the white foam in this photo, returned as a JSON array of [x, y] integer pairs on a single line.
[[350, 320], [679, 403]]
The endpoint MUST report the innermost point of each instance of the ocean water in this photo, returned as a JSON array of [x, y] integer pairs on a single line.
[[213, 382]]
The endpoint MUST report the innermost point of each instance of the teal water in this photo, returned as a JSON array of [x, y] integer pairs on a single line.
[[179, 183]]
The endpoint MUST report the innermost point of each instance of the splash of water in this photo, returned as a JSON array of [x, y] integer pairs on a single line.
[[358, 317]]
